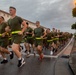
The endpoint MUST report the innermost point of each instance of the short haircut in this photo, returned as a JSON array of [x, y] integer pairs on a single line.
[[48, 28], [37, 21], [2, 17], [27, 23], [12, 7]]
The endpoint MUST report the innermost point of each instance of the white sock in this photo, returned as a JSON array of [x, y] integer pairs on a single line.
[[10, 53], [5, 58], [28, 52], [19, 58]]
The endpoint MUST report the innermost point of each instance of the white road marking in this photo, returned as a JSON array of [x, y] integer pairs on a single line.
[[45, 56]]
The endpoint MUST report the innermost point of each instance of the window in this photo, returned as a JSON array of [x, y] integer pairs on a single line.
[[4, 14]]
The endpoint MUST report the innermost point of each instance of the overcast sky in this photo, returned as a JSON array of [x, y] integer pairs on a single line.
[[51, 13]]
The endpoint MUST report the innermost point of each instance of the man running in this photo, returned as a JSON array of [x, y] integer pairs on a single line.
[[60, 34], [38, 34], [4, 41], [49, 37], [29, 39], [54, 32], [15, 23]]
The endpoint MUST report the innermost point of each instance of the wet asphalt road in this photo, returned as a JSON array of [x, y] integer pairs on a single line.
[[49, 66], [32, 67]]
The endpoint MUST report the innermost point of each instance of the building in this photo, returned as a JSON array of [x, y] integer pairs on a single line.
[[6, 15]]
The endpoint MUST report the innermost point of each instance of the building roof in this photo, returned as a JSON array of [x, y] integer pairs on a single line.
[[23, 19], [4, 12]]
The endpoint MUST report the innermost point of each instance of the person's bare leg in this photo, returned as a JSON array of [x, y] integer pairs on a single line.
[[39, 48], [4, 58], [25, 47], [4, 50], [3, 55], [15, 48], [34, 49], [28, 49]]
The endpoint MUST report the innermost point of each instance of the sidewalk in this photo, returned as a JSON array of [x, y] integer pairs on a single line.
[[62, 67], [69, 49]]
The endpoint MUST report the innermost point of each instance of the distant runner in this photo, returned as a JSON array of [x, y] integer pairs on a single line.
[[38, 34]]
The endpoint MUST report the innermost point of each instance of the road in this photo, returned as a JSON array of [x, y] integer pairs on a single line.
[[49, 66]]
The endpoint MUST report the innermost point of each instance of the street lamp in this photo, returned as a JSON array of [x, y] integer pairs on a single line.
[[74, 9], [75, 3]]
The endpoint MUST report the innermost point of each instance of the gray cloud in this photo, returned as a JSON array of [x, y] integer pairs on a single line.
[[51, 13]]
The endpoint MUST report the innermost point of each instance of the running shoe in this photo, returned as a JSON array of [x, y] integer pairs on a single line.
[[4, 61], [21, 62], [11, 55]]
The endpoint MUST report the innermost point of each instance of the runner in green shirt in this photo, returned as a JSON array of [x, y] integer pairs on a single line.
[[38, 34], [15, 26], [4, 41], [60, 37], [55, 39], [49, 37], [29, 39]]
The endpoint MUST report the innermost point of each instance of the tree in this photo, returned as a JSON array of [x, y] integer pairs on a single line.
[[73, 26]]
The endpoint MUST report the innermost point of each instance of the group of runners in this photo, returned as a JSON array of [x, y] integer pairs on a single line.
[[16, 29], [40, 39]]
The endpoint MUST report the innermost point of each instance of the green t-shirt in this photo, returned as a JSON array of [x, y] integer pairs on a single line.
[[2, 27], [15, 23], [60, 34], [38, 32], [54, 34], [2, 30], [30, 31], [49, 36]]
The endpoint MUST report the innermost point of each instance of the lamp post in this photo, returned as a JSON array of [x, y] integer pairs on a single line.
[[74, 15]]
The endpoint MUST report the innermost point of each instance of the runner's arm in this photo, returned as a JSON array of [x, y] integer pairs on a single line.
[[43, 35], [24, 27]]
